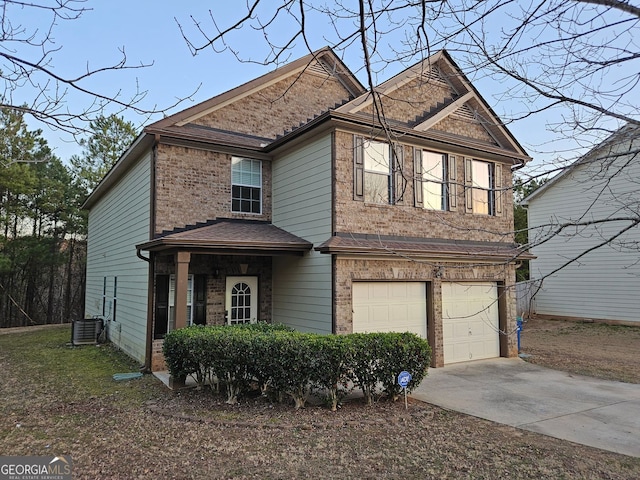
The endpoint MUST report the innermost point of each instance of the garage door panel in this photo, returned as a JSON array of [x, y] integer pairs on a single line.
[[470, 321], [389, 307]]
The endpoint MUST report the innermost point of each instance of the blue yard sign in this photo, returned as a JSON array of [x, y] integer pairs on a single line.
[[403, 380]]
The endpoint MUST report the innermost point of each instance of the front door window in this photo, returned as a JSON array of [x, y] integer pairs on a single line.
[[242, 300]]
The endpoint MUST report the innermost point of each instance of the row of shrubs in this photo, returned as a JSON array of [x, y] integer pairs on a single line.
[[284, 362]]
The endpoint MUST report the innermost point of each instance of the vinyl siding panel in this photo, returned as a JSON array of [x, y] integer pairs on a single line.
[[302, 205], [117, 222], [604, 283]]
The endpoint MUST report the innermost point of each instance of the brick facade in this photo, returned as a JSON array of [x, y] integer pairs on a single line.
[[194, 185], [412, 100], [464, 127], [279, 107], [408, 220], [218, 268]]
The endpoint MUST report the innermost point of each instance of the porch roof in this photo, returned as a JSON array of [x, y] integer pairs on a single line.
[[367, 244], [229, 236]]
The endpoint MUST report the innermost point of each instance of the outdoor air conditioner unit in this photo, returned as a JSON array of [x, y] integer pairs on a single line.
[[86, 331]]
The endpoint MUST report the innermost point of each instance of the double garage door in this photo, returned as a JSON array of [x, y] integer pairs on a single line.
[[469, 315]]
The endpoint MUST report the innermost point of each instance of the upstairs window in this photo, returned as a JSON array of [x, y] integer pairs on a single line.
[[378, 172], [483, 182], [435, 184], [246, 185]]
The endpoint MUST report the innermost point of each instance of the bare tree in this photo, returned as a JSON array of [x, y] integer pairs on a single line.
[[32, 84], [576, 59], [571, 63]]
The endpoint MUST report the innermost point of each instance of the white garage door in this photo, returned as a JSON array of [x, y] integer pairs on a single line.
[[470, 321], [390, 307]]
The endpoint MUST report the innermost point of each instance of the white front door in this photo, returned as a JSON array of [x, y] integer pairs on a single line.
[[241, 302]]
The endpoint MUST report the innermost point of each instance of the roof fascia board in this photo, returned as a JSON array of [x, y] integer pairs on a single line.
[[496, 123], [190, 142], [362, 254], [429, 138], [436, 139], [239, 95]]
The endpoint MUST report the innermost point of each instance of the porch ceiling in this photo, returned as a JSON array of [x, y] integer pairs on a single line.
[[230, 236]]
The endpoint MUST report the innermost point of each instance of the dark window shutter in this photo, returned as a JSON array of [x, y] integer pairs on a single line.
[[358, 168], [497, 182], [453, 183], [399, 182], [417, 177], [200, 299], [468, 184], [162, 306]]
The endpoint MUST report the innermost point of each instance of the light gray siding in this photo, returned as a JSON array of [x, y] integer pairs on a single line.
[[604, 283], [117, 222], [302, 205]]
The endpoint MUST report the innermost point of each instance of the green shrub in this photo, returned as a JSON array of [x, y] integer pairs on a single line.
[[365, 363], [398, 352], [233, 352], [180, 360], [293, 363], [287, 360], [332, 365]]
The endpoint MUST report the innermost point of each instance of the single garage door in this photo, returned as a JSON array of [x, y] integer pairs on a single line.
[[470, 321], [390, 307]]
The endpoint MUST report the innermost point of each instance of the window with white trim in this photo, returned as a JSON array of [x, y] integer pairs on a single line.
[[434, 180], [377, 172], [435, 185], [246, 185], [483, 182]]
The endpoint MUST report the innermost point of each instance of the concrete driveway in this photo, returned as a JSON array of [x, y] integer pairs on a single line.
[[589, 411]]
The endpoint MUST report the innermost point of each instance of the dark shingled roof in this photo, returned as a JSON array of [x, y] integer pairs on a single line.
[[421, 247], [230, 236]]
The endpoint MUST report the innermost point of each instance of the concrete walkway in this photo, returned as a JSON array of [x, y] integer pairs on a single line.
[[589, 411]]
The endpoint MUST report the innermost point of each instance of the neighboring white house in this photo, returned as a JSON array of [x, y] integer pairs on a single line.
[[585, 234]]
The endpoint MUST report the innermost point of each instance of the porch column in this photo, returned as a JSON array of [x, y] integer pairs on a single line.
[[182, 279]]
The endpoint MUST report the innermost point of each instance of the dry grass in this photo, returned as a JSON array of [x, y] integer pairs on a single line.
[[62, 400], [592, 349]]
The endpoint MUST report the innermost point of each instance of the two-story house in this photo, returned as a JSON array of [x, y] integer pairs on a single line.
[[296, 198]]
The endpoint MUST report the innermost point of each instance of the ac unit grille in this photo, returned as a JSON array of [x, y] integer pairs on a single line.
[[85, 332]]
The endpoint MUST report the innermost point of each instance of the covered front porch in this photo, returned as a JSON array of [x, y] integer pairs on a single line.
[[215, 273]]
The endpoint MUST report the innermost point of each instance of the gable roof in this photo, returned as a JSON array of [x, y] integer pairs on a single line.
[[441, 68], [626, 132], [324, 59], [180, 128]]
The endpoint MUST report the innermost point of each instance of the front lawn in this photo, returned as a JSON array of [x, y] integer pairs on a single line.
[[61, 400]]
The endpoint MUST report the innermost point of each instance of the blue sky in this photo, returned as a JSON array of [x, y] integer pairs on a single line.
[[149, 34]]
